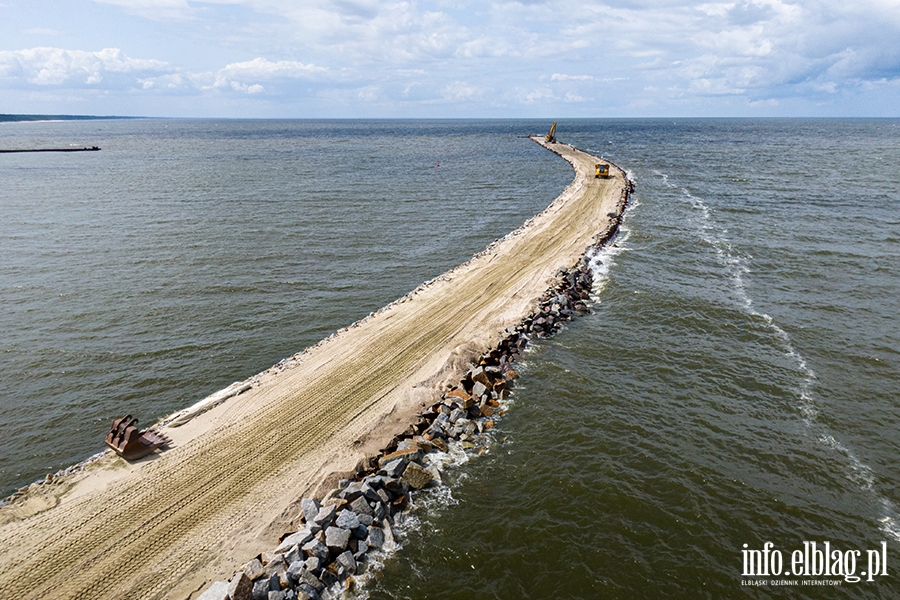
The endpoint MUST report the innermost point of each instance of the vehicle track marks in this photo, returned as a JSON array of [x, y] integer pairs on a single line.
[[163, 525]]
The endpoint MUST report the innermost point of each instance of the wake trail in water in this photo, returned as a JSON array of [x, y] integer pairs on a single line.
[[735, 264]]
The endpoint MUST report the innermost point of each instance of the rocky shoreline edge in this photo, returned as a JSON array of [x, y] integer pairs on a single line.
[[355, 521]]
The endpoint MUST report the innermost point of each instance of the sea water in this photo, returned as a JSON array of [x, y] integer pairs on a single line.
[[734, 390]]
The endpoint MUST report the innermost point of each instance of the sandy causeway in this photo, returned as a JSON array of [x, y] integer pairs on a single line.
[[230, 485]]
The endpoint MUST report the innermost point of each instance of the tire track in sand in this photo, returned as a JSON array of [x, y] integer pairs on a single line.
[[172, 523]]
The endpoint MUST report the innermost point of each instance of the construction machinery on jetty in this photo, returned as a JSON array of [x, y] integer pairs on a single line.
[[551, 137]]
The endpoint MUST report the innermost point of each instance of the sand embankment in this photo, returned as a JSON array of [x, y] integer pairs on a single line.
[[232, 481]]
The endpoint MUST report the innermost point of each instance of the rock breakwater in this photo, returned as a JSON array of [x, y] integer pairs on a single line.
[[342, 532]]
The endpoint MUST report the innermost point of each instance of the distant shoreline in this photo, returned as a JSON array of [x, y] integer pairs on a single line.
[[27, 118]]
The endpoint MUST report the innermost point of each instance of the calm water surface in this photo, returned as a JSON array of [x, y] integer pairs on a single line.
[[737, 382]]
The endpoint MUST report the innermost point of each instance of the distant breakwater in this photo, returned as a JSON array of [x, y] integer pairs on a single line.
[[85, 149], [340, 533]]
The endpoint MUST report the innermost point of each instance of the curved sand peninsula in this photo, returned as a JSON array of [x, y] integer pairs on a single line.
[[231, 482]]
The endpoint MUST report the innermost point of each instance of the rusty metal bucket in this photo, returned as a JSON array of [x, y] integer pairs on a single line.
[[130, 443]]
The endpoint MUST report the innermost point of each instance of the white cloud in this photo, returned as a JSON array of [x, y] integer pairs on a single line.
[[741, 45], [531, 96], [247, 89], [350, 97], [368, 94], [244, 76], [57, 66], [154, 9], [563, 77], [459, 91], [360, 32], [485, 47], [262, 68], [760, 48], [491, 53], [111, 69], [716, 9], [770, 102]]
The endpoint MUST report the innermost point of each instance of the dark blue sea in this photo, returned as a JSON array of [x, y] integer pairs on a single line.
[[734, 395]]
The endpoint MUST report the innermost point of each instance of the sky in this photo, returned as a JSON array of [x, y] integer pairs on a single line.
[[450, 59]]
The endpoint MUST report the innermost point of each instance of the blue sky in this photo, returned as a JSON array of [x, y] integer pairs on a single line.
[[531, 58]]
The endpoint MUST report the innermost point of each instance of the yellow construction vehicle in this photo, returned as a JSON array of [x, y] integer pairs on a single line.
[[601, 170], [551, 137]]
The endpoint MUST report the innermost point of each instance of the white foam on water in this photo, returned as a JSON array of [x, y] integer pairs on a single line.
[[424, 506], [736, 266], [601, 260], [455, 456]]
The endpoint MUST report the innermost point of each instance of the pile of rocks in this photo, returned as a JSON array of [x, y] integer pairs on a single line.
[[330, 547]]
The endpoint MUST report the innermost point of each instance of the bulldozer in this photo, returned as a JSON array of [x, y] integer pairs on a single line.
[[551, 137], [130, 443]]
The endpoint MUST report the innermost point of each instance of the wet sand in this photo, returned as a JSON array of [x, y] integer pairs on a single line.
[[231, 482]]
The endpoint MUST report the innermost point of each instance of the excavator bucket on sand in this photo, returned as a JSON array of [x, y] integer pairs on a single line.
[[130, 443]]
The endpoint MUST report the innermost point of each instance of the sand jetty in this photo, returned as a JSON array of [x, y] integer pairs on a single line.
[[232, 481]]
